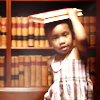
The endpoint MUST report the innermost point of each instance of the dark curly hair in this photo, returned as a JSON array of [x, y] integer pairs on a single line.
[[49, 26]]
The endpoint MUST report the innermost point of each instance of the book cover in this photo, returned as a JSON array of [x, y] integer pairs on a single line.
[[36, 34], [13, 31], [3, 31], [25, 21], [16, 71], [38, 70], [12, 71], [2, 72], [44, 71], [81, 18], [51, 16], [50, 77], [21, 71], [92, 69], [42, 35], [0, 31], [47, 43], [92, 31], [31, 33], [19, 31], [33, 70], [87, 28], [27, 72]]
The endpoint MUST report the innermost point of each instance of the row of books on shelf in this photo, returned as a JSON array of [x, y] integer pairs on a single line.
[[2, 71], [3, 31], [32, 70], [26, 33], [91, 64]]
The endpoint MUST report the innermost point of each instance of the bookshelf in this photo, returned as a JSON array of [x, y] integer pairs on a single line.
[[20, 93]]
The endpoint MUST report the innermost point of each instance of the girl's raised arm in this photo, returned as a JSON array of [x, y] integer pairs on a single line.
[[80, 34]]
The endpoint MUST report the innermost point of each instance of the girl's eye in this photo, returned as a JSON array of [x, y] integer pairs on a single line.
[[65, 34], [55, 37]]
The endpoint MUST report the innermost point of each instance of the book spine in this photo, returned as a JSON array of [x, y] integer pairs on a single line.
[[47, 43], [31, 33], [27, 70], [16, 71], [42, 35], [25, 31], [87, 27], [92, 69], [81, 18], [13, 31], [33, 70], [21, 71], [92, 31], [19, 31], [3, 31], [0, 32], [12, 71], [2, 72], [36, 34], [50, 77], [38, 70], [44, 71]]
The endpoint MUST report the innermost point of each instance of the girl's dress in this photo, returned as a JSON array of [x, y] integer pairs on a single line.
[[71, 81]]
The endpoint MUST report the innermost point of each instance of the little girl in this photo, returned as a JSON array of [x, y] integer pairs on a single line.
[[71, 76]]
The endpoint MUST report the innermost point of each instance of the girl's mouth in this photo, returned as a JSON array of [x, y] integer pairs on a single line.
[[63, 48]]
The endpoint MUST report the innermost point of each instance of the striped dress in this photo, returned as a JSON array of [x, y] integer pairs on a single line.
[[71, 81]]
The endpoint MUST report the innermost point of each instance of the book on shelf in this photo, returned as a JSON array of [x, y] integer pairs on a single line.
[[13, 31], [92, 31], [81, 18], [44, 71], [33, 70], [2, 71], [42, 35], [38, 70], [21, 71], [16, 71], [0, 32], [3, 31], [25, 21], [12, 71], [36, 34], [27, 71], [92, 69], [50, 77], [19, 31], [47, 42], [87, 27], [31, 33]]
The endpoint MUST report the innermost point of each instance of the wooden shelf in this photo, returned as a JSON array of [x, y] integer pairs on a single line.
[[23, 89], [53, 0], [31, 48], [2, 47], [37, 47]]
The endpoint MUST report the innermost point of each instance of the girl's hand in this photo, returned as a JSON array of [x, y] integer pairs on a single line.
[[72, 13]]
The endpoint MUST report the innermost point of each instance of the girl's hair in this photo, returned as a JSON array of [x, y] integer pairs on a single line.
[[49, 26]]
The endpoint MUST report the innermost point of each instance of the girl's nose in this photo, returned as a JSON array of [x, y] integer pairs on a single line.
[[61, 41]]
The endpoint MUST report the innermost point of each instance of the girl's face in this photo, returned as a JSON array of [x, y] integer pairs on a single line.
[[61, 38]]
